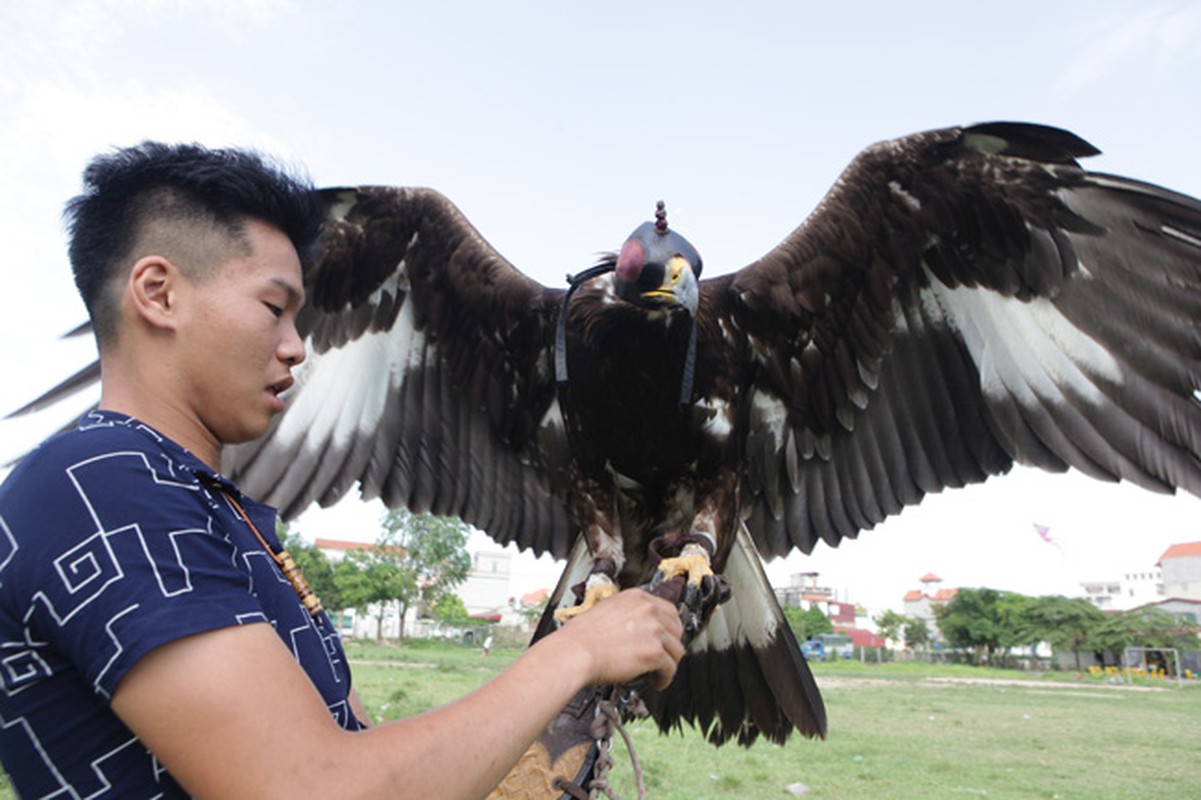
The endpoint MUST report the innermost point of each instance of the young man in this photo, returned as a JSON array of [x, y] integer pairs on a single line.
[[151, 646]]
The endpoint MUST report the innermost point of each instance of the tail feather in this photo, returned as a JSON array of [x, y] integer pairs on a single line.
[[579, 564], [744, 675], [792, 683]]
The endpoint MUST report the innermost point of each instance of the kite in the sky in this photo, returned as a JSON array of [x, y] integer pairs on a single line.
[[962, 300]]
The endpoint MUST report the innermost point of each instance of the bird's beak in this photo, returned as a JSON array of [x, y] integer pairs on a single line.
[[672, 276]]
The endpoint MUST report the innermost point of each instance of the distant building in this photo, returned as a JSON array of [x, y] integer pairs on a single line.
[[1105, 595], [920, 603], [803, 591], [1187, 611], [486, 590], [1131, 590], [1177, 574], [336, 549], [529, 599], [862, 638], [1180, 566]]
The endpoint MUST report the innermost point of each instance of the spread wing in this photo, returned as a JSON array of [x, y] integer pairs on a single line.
[[428, 380], [963, 300]]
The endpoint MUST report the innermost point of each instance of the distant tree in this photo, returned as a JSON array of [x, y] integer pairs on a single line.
[[1068, 625], [1011, 613], [371, 576], [315, 567], [984, 620], [1144, 627], [889, 624], [451, 611], [807, 623], [533, 613], [417, 560], [916, 633]]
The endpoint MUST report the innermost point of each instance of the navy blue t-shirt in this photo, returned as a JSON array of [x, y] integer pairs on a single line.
[[114, 540]]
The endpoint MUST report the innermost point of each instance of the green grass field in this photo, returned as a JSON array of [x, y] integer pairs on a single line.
[[897, 731]]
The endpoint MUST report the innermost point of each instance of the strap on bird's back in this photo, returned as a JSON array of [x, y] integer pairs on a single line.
[[573, 282]]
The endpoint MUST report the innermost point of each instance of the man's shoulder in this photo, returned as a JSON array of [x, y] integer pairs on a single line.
[[81, 444], [97, 448]]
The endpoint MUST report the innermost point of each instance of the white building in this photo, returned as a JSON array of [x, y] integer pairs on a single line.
[[486, 590], [1181, 571], [484, 593], [1133, 589], [1176, 575]]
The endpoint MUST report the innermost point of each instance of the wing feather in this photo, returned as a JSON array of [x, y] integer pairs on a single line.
[[427, 380], [963, 300]]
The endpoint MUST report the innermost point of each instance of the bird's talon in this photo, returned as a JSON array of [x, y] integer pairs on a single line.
[[691, 593], [599, 587], [692, 561]]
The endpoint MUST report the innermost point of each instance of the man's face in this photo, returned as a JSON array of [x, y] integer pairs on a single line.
[[239, 338]]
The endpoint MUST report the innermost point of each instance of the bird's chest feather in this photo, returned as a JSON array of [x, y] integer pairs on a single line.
[[623, 410]]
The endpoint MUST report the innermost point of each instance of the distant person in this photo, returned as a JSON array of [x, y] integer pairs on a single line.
[[488, 645], [154, 647]]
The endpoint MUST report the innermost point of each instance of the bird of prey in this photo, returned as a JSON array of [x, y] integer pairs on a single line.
[[962, 300]]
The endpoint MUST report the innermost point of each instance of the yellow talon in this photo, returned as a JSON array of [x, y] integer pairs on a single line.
[[692, 561], [594, 592]]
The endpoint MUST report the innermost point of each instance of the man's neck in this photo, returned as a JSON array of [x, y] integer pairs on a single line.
[[166, 418]]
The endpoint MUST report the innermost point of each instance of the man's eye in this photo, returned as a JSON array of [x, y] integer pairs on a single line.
[[274, 309]]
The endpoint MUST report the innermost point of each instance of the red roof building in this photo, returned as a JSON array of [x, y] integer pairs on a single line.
[[1180, 568], [1185, 550], [861, 638], [920, 603]]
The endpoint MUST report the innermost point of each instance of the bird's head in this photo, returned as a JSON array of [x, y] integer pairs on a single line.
[[658, 268]]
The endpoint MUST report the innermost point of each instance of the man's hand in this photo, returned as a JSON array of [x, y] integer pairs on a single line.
[[627, 636]]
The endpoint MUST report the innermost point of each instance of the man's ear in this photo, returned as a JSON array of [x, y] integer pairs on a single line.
[[153, 288]]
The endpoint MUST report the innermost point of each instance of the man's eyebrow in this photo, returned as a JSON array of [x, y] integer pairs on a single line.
[[294, 294]]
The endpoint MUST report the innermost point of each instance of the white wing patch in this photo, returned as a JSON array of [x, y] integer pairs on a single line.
[[336, 406], [769, 413], [361, 374], [1026, 365]]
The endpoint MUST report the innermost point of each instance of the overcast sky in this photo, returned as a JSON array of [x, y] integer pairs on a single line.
[[556, 126]]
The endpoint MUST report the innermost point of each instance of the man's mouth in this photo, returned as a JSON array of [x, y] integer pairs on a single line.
[[277, 389]]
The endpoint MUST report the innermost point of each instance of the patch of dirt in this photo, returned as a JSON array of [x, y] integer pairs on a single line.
[[850, 683], [1045, 684]]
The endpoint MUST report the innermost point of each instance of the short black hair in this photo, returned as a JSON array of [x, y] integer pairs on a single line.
[[184, 184]]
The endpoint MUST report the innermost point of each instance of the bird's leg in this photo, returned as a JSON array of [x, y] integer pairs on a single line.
[[687, 578], [607, 559], [599, 584]]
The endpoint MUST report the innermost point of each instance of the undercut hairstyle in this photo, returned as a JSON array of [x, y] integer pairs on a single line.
[[184, 202]]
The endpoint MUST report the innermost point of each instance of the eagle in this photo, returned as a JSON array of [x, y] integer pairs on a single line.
[[962, 299]]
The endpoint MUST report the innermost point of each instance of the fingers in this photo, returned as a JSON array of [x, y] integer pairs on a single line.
[[674, 649], [629, 635], [670, 640]]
